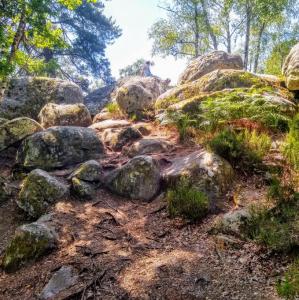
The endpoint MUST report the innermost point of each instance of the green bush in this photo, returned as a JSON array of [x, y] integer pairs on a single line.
[[291, 146], [245, 149], [184, 200], [288, 287]]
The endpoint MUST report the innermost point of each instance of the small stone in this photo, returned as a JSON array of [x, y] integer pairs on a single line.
[[82, 189], [89, 171]]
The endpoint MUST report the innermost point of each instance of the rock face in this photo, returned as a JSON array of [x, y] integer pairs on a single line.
[[147, 146], [100, 126], [291, 69], [29, 243], [39, 190], [137, 96], [63, 279], [16, 130], [206, 171], [207, 63], [58, 147], [97, 99], [27, 96], [4, 190], [138, 179], [64, 115]]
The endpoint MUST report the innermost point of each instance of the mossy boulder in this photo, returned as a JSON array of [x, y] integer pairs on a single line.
[[291, 69], [205, 171], [138, 179], [90, 171], [25, 97], [216, 60], [59, 147], [30, 242], [40, 190], [65, 115], [83, 189], [16, 130]]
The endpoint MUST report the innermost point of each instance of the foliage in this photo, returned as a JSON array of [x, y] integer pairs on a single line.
[[288, 287], [184, 200], [276, 228], [291, 146], [113, 109], [245, 149], [133, 69], [37, 37]]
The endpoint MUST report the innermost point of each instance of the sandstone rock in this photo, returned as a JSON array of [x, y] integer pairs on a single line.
[[103, 115], [147, 146], [210, 62], [97, 99], [206, 171], [138, 179], [30, 242], [100, 126], [89, 171], [291, 69], [64, 115], [82, 189], [137, 96], [118, 138], [144, 128], [39, 190], [61, 280], [16, 130], [25, 97], [58, 147]]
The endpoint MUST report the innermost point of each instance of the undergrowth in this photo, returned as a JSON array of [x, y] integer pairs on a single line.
[[186, 201], [113, 109]]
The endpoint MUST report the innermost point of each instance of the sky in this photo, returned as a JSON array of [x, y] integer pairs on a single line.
[[135, 17]]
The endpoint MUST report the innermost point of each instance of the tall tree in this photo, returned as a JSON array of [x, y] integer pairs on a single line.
[[133, 69]]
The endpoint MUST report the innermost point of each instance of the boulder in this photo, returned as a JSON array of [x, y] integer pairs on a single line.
[[116, 139], [59, 147], [291, 69], [30, 242], [147, 146], [205, 171], [207, 63], [143, 128], [101, 126], [61, 280], [97, 99], [3, 121], [16, 130], [40, 190], [137, 96], [83, 189], [25, 97], [64, 115], [5, 191], [103, 115], [90, 171], [137, 179]]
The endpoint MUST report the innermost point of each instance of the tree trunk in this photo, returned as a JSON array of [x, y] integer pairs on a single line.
[[196, 33], [228, 39], [247, 34], [258, 48]]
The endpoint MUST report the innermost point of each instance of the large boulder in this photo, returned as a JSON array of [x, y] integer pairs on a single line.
[[205, 171], [30, 242], [207, 63], [137, 96], [39, 191], [64, 115], [97, 99], [138, 179], [291, 69], [27, 96], [16, 130], [59, 147]]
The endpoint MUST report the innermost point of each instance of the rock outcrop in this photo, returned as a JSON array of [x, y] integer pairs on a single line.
[[59, 147], [207, 63], [291, 69], [39, 191], [16, 130], [138, 179], [108, 124], [30, 242], [25, 97], [64, 115]]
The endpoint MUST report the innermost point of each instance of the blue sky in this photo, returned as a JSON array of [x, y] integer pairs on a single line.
[[135, 17]]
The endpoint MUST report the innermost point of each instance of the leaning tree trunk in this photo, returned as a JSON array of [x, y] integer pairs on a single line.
[[258, 48]]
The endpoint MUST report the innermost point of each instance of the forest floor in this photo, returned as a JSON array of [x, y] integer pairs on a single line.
[[124, 249]]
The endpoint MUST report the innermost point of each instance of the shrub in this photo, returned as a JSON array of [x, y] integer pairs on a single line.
[[288, 287], [114, 109], [184, 200]]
